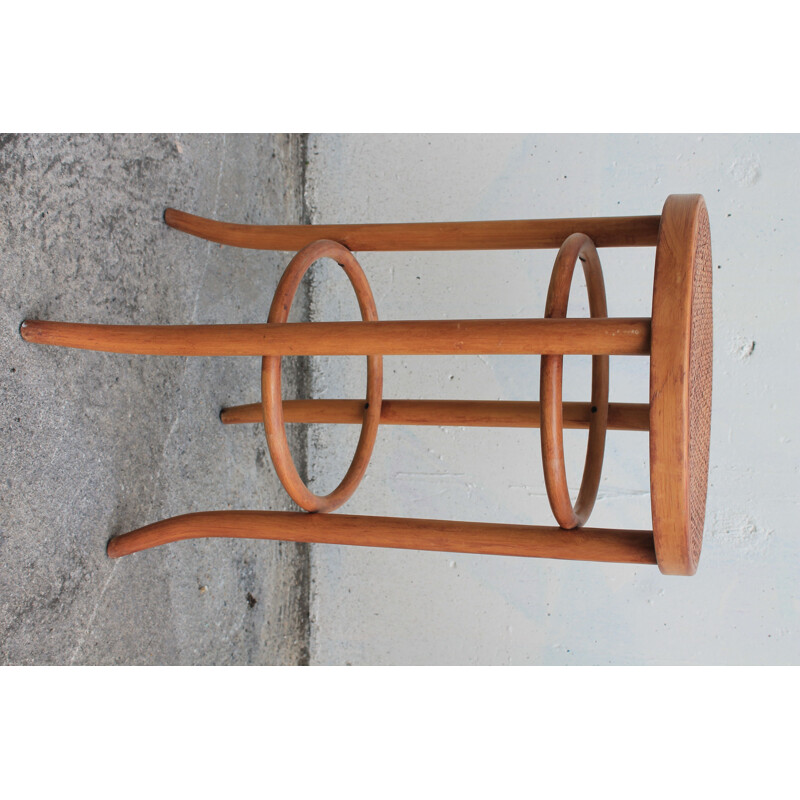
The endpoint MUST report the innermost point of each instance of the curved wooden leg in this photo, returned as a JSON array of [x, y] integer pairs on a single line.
[[610, 336], [586, 544], [491, 235], [462, 413]]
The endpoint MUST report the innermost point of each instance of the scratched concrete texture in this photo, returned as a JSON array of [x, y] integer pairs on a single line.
[[372, 606], [94, 444]]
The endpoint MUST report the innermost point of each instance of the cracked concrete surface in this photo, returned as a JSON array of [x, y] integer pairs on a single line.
[[95, 444]]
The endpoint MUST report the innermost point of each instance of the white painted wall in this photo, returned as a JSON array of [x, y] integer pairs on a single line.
[[373, 606]]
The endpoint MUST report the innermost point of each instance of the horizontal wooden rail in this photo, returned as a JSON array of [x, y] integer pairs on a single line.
[[611, 336], [583, 544], [492, 235], [466, 413]]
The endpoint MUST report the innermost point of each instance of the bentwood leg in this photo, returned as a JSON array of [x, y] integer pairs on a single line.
[[611, 336], [678, 341], [528, 234], [461, 413], [585, 544]]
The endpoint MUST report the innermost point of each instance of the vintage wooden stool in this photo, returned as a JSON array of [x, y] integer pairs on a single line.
[[678, 339]]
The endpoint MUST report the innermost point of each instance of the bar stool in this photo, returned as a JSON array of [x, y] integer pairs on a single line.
[[677, 337]]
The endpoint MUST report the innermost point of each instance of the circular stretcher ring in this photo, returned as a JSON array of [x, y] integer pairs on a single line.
[[577, 246], [271, 381]]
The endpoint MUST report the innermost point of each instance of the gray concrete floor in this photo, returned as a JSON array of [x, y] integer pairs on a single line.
[[95, 444]]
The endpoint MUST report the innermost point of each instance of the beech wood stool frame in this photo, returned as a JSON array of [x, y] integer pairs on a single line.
[[677, 337]]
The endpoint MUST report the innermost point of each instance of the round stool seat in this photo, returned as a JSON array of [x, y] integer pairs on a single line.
[[680, 383]]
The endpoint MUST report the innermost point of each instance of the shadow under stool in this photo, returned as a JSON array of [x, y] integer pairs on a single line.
[[677, 338]]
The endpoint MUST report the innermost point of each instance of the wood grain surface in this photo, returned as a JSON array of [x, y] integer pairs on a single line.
[[628, 336], [680, 368], [536, 541], [491, 235], [461, 413]]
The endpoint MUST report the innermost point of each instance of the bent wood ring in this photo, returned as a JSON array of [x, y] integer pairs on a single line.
[[577, 246], [271, 400]]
